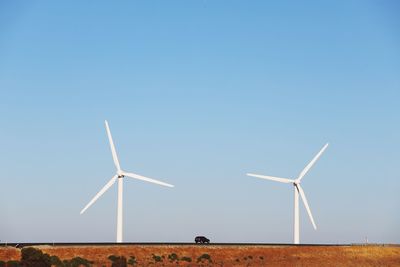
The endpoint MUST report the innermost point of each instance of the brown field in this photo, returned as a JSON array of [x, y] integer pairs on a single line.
[[226, 255]]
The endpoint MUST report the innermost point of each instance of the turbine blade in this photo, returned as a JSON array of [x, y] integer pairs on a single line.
[[303, 197], [276, 179], [114, 153], [139, 177], [308, 167], [104, 189]]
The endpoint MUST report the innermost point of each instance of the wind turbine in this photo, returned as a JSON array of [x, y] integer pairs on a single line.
[[120, 174], [297, 190]]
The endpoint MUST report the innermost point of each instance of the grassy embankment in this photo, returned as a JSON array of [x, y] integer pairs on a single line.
[[214, 255]]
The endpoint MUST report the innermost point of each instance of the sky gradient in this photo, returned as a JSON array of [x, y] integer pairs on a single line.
[[197, 94]]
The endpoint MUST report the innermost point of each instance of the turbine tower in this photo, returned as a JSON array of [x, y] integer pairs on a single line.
[[297, 190], [120, 175]]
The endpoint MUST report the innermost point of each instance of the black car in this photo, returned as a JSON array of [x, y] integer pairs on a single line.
[[201, 240]]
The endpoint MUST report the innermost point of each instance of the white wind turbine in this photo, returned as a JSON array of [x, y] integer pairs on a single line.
[[120, 174], [297, 190]]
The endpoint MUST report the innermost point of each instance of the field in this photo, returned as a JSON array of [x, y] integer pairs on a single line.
[[223, 254]]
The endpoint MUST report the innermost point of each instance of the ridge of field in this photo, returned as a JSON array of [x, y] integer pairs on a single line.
[[223, 254]]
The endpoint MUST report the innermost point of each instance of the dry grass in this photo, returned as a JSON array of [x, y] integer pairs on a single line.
[[262, 255]]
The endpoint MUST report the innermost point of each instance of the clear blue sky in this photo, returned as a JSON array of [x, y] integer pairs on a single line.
[[198, 93]]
